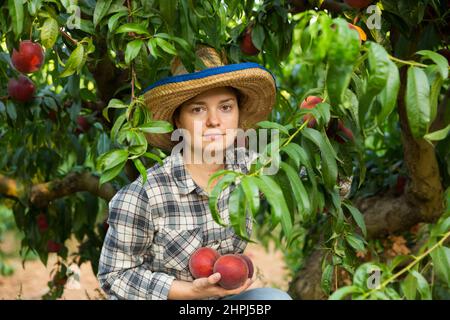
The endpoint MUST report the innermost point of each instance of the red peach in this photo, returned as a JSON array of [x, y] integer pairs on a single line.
[[53, 246], [21, 89], [249, 264], [358, 4], [29, 58], [247, 45], [310, 103], [42, 223], [233, 270], [201, 263]]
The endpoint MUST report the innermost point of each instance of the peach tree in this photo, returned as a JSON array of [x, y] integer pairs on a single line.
[[359, 204]]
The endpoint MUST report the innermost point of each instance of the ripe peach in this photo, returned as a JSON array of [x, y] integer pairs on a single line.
[[21, 89], [29, 58], [249, 264], [83, 125], [247, 45], [53, 246], [310, 103], [338, 131], [358, 4], [42, 223], [233, 270], [201, 263]]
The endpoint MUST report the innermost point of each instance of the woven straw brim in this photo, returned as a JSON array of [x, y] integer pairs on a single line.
[[256, 85]]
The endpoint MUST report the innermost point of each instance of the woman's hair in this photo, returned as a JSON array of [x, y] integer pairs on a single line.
[[236, 92]]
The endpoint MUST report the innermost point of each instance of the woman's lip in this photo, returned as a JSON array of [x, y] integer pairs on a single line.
[[213, 136]]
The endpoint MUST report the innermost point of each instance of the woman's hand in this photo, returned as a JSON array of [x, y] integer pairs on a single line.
[[209, 287]]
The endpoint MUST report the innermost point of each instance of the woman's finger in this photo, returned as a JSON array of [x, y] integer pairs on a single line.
[[214, 278]]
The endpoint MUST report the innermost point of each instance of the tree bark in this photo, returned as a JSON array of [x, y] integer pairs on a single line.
[[40, 195]]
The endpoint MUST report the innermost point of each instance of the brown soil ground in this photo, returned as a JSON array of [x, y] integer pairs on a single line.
[[30, 283]]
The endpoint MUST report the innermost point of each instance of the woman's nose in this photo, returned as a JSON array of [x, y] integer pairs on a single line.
[[212, 120]]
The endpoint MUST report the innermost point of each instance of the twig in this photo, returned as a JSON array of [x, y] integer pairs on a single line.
[[408, 267], [67, 36]]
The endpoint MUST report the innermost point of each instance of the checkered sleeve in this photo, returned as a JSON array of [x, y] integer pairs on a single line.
[[122, 272]]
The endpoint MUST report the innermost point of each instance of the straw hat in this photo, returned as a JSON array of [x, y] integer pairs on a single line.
[[255, 83]]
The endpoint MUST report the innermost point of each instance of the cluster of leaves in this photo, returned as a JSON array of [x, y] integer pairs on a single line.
[[423, 275]]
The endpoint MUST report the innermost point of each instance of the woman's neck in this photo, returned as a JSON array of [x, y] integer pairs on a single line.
[[201, 172]]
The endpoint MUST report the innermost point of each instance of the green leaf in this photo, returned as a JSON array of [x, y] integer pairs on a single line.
[[168, 9], [137, 144], [133, 27], [103, 143], [273, 125], [355, 241], [409, 287], [110, 174], [11, 110], [251, 192], [358, 217], [417, 101], [438, 135], [436, 86], [292, 151], [101, 9], [422, 285], [363, 272], [238, 213], [378, 75], [329, 165], [388, 96], [440, 61], [49, 32], [74, 62], [258, 36], [156, 126], [132, 50], [441, 262], [298, 189], [275, 197], [166, 46], [327, 278], [153, 157], [113, 103], [117, 126], [342, 55], [111, 159], [114, 20], [341, 293], [224, 182], [141, 168], [15, 8]]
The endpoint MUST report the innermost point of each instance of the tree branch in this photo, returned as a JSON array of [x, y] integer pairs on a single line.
[[41, 194]]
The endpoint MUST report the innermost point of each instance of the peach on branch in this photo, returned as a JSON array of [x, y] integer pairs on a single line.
[[29, 58]]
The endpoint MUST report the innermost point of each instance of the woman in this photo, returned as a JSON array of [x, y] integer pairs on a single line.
[[155, 227]]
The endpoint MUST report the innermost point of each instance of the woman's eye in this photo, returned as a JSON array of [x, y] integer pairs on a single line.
[[226, 107], [197, 109]]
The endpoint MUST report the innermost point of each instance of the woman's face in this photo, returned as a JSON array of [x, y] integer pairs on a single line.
[[211, 119]]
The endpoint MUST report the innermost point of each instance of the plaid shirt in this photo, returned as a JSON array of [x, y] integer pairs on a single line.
[[155, 227]]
